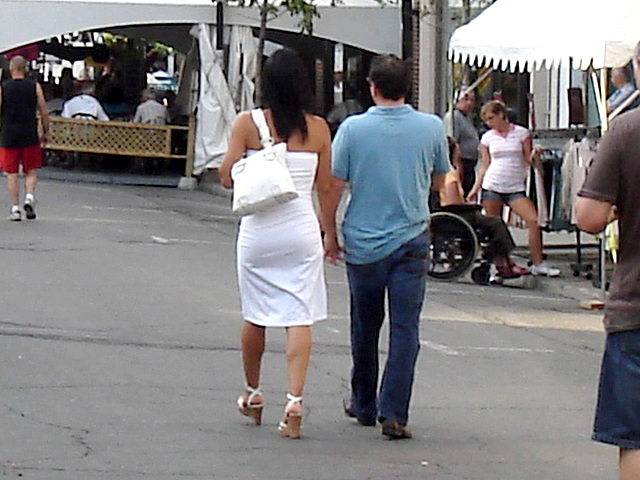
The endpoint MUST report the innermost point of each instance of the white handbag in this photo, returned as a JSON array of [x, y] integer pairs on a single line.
[[262, 179]]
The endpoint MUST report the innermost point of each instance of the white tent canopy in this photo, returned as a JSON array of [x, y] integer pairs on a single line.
[[351, 22], [529, 34]]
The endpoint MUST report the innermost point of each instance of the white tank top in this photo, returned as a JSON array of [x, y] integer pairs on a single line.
[[508, 169]]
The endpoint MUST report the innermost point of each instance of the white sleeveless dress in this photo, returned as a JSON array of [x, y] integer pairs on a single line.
[[280, 257]]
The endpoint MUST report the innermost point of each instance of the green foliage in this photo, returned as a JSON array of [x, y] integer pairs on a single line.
[[306, 9], [458, 14]]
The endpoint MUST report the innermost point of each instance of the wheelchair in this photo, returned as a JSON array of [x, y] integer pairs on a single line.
[[457, 246]]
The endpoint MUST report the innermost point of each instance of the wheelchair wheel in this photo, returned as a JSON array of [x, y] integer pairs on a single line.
[[454, 246], [481, 274]]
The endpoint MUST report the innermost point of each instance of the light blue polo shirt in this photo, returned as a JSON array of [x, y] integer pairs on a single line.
[[387, 156]]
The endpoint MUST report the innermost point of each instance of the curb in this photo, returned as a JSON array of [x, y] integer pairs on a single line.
[[576, 289], [210, 183], [107, 178]]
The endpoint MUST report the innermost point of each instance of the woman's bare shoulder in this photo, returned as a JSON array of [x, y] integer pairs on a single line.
[[243, 119], [317, 124], [245, 131]]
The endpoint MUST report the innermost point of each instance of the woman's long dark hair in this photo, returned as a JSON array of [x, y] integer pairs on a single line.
[[286, 91]]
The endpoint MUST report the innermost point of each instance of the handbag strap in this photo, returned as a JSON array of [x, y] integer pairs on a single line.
[[263, 129]]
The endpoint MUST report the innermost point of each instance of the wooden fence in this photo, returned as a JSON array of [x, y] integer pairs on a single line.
[[123, 138]]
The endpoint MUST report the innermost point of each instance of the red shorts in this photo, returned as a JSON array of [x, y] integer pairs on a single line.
[[29, 157]]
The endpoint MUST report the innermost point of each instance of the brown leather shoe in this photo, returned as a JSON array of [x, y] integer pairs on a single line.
[[395, 430], [348, 411]]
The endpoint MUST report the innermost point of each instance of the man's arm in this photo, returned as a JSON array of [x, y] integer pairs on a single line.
[[44, 114], [593, 215]]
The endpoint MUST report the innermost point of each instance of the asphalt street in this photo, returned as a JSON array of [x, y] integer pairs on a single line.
[[120, 360]]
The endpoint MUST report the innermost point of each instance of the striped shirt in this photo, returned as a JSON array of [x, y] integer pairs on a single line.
[[508, 169]]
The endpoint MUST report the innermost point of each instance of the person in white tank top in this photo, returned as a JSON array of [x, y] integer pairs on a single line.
[[507, 153]]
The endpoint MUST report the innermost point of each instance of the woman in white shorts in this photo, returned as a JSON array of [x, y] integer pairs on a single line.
[[507, 154]]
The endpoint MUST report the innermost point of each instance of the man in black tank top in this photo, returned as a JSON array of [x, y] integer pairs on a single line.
[[20, 97]]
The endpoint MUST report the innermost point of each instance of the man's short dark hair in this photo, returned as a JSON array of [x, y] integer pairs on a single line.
[[391, 76]]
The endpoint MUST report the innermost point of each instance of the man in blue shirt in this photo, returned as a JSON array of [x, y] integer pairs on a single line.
[[624, 88], [387, 155]]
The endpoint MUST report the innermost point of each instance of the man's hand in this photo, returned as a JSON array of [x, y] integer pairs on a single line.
[[332, 250]]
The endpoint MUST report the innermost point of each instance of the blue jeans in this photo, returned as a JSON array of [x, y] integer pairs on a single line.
[[401, 276], [617, 419]]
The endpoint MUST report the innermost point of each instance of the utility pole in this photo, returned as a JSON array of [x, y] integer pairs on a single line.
[[466, 15], [434, 36]]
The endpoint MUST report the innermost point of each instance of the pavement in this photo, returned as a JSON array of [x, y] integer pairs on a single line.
[[126, 363], [560, 247]]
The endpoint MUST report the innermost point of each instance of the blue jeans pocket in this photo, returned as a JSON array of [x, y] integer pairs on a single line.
[[416, 254]]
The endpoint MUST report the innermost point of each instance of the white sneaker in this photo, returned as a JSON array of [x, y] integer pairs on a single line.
[[15, 215], [545, 269], [30, 207]]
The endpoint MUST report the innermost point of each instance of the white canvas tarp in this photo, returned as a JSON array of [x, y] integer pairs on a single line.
[[525, 35], [243, 58], [351, 22], [216, 111]]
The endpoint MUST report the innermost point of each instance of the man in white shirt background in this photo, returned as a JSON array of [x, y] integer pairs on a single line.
[[84, 105], [150, 110]]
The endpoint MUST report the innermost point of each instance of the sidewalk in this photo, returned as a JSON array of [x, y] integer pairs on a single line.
[[561, 252]]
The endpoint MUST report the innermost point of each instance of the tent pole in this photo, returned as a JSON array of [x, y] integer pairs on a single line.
[[603, 99], [480, 79], [449, 126], [601, 95], [602, 107]]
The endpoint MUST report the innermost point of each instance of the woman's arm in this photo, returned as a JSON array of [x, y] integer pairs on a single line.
[[329, 189], [531, 155], [235, 150], [484, 166]]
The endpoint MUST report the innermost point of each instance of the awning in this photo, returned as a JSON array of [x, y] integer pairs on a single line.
[[519, 35], [351, 22]]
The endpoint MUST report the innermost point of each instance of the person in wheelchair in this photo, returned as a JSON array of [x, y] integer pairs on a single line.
[[500, 243]]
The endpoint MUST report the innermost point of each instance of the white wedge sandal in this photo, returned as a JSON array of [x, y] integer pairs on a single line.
[[249, 409], [291, 422]]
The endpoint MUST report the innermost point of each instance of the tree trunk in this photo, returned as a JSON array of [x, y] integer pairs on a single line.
[[264, 13], [466, 15], [466, 10]]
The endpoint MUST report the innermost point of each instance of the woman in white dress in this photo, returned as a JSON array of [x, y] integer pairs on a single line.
[[280, 251]]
